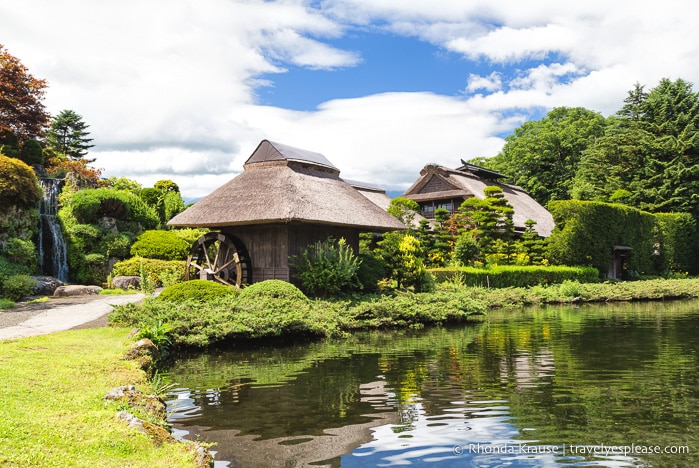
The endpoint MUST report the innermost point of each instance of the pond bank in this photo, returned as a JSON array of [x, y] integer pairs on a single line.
[[260, 312], [54, 411]]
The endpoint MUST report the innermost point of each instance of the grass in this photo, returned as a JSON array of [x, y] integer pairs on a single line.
[[53, 407], [6, 304], [118, 292]]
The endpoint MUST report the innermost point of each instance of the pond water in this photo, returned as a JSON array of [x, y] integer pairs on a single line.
[[604, 385]]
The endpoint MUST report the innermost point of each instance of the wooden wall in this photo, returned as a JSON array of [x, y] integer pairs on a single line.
[[270, 245]]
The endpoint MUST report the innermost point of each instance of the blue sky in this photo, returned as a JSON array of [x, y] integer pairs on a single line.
[[185, 90]]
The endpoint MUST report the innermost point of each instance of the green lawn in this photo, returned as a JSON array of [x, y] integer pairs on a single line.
[[53, 408]]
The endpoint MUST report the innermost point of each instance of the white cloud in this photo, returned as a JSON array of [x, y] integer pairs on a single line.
[[169, 88]]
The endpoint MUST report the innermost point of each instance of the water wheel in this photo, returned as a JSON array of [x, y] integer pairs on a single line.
[[219, 257]]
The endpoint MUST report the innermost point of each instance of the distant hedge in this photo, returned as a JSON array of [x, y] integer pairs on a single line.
[[515, 276], [586, 233]]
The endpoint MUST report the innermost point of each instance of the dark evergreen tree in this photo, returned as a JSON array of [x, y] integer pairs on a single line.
[[68, 135]]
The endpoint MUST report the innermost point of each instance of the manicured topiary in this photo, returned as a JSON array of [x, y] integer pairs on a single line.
[[153, 269], [276, 289], [18, 184], [163, 245], [196, 290]]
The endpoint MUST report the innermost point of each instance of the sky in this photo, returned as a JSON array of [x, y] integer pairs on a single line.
[[185, 90]]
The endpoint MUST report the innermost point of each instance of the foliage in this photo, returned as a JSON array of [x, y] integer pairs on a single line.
[[122, 183], [650, 150], [68, 135], [18, 286], [189, 235], [153, 268], [508, 276], [158, 334], [542, 156], [31, 152], [586, 233], [326, 268], [196, 290], [404, 210], [22, 110], [272, 289], [466, 248], [164, 198], [680, 242], [76, 172], [90, 205], [403, 256], [20, 252], [18, 184], [163, 245], [371, 270], [6, 304]]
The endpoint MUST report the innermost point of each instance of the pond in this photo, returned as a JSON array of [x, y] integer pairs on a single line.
[[605, 385]]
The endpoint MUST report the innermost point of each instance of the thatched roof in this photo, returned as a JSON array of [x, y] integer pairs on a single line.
[[440, 183], [282, 184]]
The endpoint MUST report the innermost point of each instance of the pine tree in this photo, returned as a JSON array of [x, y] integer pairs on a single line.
[[68, 135]]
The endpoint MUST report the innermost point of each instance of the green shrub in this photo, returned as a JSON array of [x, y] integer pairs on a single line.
[[18, 184], [163, 245], [18, 286], [326, 268], [273, 289], [20, 251], [196, 290], [371, 271], [90, 205], [153, 268], [6, 304], [189, 235], [516, 276]]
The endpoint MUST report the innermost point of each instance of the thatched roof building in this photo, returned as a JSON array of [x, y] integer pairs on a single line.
[[282, 184], [441, 187], [286, 199]]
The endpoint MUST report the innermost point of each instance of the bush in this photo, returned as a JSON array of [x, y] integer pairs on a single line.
[[326, 268], [271, 289], [371, 271], [19, 251], [196, 290], [18, 286], [18, 184], [516, 276], [162, 245], [153, 268], [90, 205]]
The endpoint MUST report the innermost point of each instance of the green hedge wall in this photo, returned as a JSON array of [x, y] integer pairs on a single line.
[[163, 245], [586, 233], [515, 276]]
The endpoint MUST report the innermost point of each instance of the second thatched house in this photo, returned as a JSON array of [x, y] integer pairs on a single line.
[[441, 187], [285, 200]]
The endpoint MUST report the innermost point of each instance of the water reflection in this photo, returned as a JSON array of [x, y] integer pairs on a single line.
[[544, 387]]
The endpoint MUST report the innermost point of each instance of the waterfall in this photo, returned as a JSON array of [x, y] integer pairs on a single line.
[[53, 257]]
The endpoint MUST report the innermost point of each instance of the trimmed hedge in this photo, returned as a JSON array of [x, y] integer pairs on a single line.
[[90, 205], [515, 276], [152, 268], [586, 233], [163, 245], [196, 290]]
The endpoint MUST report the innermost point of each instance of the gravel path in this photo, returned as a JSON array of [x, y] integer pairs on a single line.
[[59, 314]]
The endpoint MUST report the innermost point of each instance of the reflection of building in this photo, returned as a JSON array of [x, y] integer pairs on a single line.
[[441, 187]]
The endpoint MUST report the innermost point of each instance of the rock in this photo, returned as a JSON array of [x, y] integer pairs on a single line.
[[46, 285], [145, 352], [126, 282], [76, 290], [150, 404]]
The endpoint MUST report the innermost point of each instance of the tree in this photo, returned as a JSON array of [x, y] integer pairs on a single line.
[[404, 210], [22, 111], [68, 136], [650, 149], [542, 156]]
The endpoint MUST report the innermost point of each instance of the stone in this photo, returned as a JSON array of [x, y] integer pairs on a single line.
[[129, 395], [76, 290], [46, 285], [126, 282]]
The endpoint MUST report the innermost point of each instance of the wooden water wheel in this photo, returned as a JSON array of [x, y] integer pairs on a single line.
[[219, 257]]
